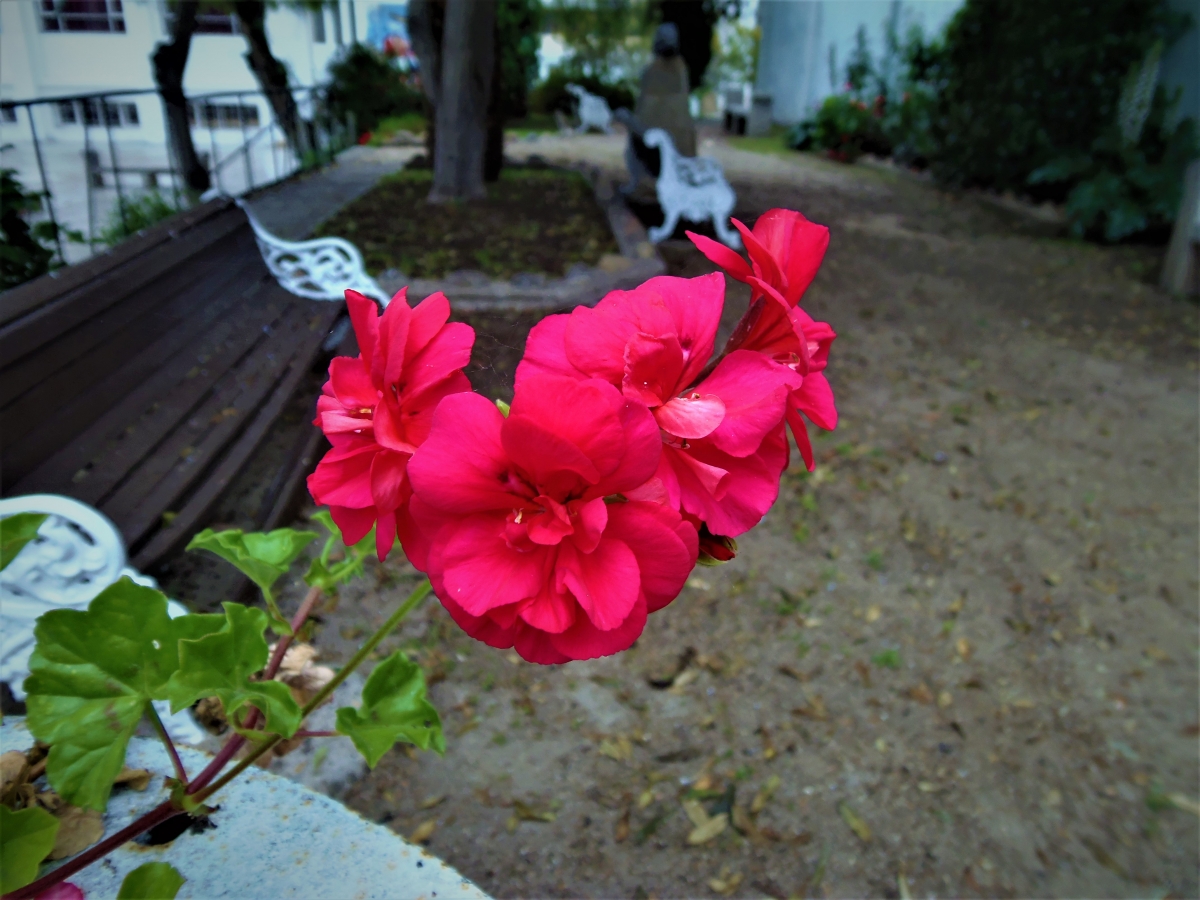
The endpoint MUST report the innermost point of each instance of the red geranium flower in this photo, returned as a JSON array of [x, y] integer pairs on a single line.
[[532, 528], [376, 409], [785, 251], [723, 441]]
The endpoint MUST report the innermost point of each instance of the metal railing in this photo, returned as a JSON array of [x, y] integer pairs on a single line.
[[94, 156]]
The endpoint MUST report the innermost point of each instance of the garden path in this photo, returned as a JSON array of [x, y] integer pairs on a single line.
[[965, 646], [292, 210]]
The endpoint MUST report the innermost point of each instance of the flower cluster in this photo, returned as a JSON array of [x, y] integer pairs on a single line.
[[557, 525]]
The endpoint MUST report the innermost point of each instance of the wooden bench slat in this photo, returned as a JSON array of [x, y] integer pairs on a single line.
[[55, 318], [117, 441], [234, 403], [191, 513], [66, 404], [27, 297]]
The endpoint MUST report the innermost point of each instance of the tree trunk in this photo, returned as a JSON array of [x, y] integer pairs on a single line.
[[426, 21], [493, 152], [466, 76], [169, 61], [270, 73]]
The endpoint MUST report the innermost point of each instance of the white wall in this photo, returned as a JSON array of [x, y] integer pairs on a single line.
[[793, 61]]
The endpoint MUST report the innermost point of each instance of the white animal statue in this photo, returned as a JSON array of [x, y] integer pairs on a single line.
[[593, 110], [692, 188], [77, 554]]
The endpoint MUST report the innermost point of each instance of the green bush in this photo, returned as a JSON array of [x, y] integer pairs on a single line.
[[551, 94], [844, 127], [1022, 83], [518, 33], [26, 251], [371, 86], [1128, 183], [140, 213]]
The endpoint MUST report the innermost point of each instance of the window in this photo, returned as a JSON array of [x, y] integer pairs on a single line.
[[318, 22], [88, 111], [223, 115], [83, 15], [8, 114]]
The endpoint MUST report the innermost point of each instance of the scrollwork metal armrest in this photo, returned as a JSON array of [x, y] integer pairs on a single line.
[[318, 269]]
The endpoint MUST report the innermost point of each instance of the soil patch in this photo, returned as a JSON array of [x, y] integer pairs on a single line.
[[533, 220]]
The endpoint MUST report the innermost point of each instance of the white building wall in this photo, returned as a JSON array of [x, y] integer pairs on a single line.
[[39, 64], [798, 36]]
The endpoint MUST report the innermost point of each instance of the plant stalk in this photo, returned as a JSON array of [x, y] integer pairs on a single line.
[[156, 721], [356, 660]]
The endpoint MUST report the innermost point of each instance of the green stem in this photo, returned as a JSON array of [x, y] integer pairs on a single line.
[[343, 673]]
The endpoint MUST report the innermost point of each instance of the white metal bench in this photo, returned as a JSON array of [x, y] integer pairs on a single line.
[[692, 188], [593, 110]]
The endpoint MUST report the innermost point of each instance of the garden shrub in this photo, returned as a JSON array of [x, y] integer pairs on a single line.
[[845, 127], [1023, 83], [371, 86], [26, 251], [551, 94], [140, 213]]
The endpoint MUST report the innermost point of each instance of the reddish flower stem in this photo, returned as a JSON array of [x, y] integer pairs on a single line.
[[308, 734], [160, 813], [156, 721]]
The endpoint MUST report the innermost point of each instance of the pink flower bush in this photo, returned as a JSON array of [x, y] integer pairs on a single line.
[[785, 252], [531, 527], [376, 410], [723, 442]]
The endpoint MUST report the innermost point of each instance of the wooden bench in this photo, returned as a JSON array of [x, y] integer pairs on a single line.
[[142, 381]]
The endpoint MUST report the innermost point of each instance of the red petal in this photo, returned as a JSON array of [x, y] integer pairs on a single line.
[[583, 640], [694, 416], [665, 552], [754, 391], [723, 256], [364, 316], [549, 611], [800, 433], [428, 317], [605, 582], [797, 243], [480, 571], [353, 523], [815, 400], [546, 351], [459, 468], [387, 365], [653, 365], [766, 266]]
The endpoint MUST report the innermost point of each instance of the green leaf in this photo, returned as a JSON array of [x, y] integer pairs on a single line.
[[26, 838], [15, 532], [151, 881], [394, 708], [92, 673], [220, 664], [326, 575], [260, 557]]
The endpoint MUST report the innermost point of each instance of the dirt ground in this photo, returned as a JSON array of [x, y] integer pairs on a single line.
[[533, 221], [963, 651]]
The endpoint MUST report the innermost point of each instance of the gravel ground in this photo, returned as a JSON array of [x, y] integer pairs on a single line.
[[959, 659]]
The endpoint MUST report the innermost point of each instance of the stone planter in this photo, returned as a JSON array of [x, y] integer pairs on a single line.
[[273, 839], [471, 291]]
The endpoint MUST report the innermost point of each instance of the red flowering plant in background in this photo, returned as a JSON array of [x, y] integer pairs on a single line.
[[630, 453]]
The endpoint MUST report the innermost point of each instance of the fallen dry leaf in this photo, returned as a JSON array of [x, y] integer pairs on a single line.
[[621, 831], [743, 822], [963, 646], [645, 798], [423, 832], [945, 699], [527, 813], [78, 829], [873, 613], [14, 771], [769, 787], [1184, 803], [814, 710], [695, 812], [620, 749], [856, 823], [921, 693], [702, 834], [725, 883], [431, 802], [138, 779]]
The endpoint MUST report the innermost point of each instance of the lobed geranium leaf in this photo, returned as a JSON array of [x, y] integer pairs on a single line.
[[151, 881], [220, 664], [92, 673], [394, 708], [328, 575], [261, 557], [16, 531], [26, 838]]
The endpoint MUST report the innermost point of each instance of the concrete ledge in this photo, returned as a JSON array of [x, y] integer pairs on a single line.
[[273, 839]]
